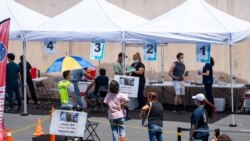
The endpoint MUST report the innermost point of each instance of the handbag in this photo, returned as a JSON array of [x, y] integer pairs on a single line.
[[145, 119]]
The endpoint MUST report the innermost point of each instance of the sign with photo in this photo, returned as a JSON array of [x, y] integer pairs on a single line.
[[150, 51], [68, 123], [49, 47], [203, 52], [97, 51], [128, 85]]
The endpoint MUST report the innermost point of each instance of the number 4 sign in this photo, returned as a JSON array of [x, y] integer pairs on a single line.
[[203, 52], [49, 47], [150, 51], [97, 51]]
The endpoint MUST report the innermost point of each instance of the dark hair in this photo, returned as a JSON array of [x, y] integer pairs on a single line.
[[66, 73], [11, 56], [114, 87], [212, 61], [102, 71], [209, 107], [224, 137], [152, 95], [120, 54], [21, 57], [179, 55]]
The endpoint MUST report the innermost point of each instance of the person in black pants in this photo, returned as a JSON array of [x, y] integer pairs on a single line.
[[139, 72], [207, 79], [29, 80]]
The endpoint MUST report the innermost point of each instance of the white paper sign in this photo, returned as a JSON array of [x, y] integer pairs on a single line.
[[128, 85], [49, 47], [97, 51], [68, 123], [150, 51], [203, 52]]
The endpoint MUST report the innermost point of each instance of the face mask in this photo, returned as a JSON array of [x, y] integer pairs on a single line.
[[182, 60], [135, 61]]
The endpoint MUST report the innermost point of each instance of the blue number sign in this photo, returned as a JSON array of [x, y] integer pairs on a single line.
[[150, 51], [203, 52], [97, 51]]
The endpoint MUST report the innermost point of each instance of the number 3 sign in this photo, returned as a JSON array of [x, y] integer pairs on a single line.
[[203, 52], [97, 51], [49, 47], [150, 51]]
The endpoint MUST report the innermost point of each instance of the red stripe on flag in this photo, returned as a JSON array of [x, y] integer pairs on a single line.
[[4, 39]]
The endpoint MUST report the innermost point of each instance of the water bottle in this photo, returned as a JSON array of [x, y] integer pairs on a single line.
[[38, 73]]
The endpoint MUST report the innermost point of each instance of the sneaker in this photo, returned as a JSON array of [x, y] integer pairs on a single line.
[[18, 109], [9, 109], [176, 112]]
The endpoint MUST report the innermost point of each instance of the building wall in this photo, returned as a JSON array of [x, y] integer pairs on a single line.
[[147, 9]]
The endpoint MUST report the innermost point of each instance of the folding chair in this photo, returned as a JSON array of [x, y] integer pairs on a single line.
[[102, 92], [45, 96], [246, 98], [53, 86], [90, 132]]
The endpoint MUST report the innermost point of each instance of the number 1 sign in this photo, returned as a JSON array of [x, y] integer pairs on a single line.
[[150, 51], [203, 52], [97, 51]]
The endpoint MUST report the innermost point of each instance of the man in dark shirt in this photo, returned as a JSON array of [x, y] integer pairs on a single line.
[[101, 80], [12, 84], [29, 79], [177, 72]]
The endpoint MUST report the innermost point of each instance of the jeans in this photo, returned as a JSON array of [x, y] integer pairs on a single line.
[[208, 90], [117, 126], [13, 87], [141, 98], [78, 95], [155, 132]]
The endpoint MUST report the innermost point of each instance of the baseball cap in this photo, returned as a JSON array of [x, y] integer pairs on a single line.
[[199, 96], [120, 55]]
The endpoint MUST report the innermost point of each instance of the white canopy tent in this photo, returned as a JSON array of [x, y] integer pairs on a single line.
[[90, 20], [21, 18], [194, 21], [191, 22]]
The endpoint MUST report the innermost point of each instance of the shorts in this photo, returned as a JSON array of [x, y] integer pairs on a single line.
[[91, 96], [179, 87]]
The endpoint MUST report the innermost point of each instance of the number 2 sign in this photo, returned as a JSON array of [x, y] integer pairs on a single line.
[[49, 47], [203, 52], [150, 51], [97, 51]]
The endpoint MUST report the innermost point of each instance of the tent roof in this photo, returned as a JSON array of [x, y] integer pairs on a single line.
[[193, 21], [21, 17], [88, 21]]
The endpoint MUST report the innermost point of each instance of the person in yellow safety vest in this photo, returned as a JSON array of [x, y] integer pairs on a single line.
[[66, 92]]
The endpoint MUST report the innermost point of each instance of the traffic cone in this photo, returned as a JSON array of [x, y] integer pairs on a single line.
[[9, 137], [52, 137], [39, 129]]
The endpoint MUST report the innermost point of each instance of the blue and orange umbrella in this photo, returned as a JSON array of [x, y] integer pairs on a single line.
[[68, 63]]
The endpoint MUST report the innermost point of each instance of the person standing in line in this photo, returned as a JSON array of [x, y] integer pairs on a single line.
[[139, 72], [177, 73], [12, 84], [29, 80], [118, 64], [199, 118], [77, 77], [116, 101], [207, 79], [66, 92], [155, 117]]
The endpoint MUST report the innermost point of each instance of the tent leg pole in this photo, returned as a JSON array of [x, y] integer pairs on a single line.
[[123, 58], [233, 124], [25, 113]]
